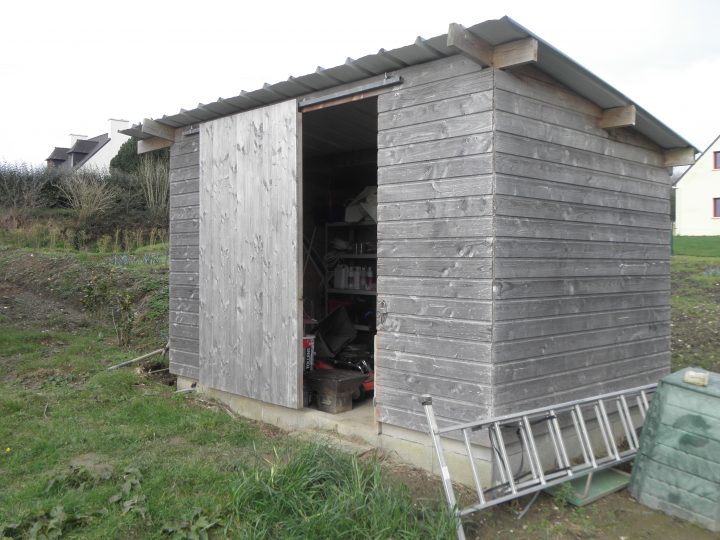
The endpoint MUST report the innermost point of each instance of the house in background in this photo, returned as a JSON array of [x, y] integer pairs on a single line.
[[90, 153], [697, 196]]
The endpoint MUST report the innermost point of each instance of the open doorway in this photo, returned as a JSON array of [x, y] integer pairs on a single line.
[[339, 208]]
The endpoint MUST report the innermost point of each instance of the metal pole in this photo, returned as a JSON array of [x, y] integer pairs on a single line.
[[444, 471]]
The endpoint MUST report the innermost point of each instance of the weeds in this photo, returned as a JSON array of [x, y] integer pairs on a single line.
[[123, 317], [46, 525], [321, 493], [196, 527]]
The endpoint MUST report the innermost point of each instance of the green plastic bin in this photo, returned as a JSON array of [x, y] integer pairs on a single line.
[[677, 469]]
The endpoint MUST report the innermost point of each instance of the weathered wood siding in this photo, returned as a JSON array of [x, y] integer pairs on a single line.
[[435, 224], [250, 277], [581, 267], [184, 265]]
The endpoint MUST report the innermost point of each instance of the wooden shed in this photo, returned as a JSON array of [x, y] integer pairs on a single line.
[[522, 237]]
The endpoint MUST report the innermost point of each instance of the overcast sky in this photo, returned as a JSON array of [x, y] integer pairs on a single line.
[[66, 67]]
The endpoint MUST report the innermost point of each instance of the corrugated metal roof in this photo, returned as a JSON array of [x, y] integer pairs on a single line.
[[495, 32]]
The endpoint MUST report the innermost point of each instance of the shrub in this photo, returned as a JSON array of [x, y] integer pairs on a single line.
[[21, 185], [88, 193], [127, 158], [154, 178]]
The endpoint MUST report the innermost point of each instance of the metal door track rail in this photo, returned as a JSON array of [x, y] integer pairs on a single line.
[[526, 426]]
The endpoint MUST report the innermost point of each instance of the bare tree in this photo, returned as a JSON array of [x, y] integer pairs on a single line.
[[88, 193], [154, 180]]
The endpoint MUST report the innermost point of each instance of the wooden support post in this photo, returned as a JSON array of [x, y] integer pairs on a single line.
[[469, 45], [152, 144], [618, 117], [515, 53], [679, 156], [156, 129]]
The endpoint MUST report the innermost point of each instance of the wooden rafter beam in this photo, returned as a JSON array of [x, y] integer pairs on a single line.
[[513, 53], [618, 117], [469, 45], [676, 157], [156, 129], [152, 144]]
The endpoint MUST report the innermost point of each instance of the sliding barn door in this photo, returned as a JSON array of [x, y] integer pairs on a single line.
[[250, 280]]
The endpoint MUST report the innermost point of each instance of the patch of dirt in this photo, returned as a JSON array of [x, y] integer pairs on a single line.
[[157, 371], [96, 464], [44, 377], [24, 309]]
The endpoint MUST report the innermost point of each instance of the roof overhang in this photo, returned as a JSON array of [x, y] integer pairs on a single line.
[[501, 43]]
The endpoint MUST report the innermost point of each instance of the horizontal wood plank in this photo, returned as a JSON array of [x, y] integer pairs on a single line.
[[475, 351], [523, 207], [435, 228], [445, 148], [436, 326], [542, 287], [441, 208], [522, 328], [457, 247], [468, 186], [446, 308], [568, 267], [577, 304], [578, 249], [435, 267], [519, 227], [479, 289]]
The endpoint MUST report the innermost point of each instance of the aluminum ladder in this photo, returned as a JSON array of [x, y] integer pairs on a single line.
[[526, 427]]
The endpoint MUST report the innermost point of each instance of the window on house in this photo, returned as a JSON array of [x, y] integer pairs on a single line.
[[716, 207], [716, 160]]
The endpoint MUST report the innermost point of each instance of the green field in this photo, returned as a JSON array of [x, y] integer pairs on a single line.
[[696, 246]]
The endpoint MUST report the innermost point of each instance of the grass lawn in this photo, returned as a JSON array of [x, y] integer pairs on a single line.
[[90, 453], [98, 454], [696, 246], [696, 303], [87, 453]]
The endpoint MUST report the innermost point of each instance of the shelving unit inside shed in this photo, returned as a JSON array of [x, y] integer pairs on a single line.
[[357, 291]]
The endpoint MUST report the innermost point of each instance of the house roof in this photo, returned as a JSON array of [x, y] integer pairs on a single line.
[[83, 146], [59, 154], [495, 32], [87, 147]]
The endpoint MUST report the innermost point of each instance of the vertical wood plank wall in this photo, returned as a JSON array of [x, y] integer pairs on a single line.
[[582, 224], [434, 244], [184, 242], [250, 317]]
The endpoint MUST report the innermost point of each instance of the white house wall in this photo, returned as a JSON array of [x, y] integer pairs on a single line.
[[694, 197], [101, 159]]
